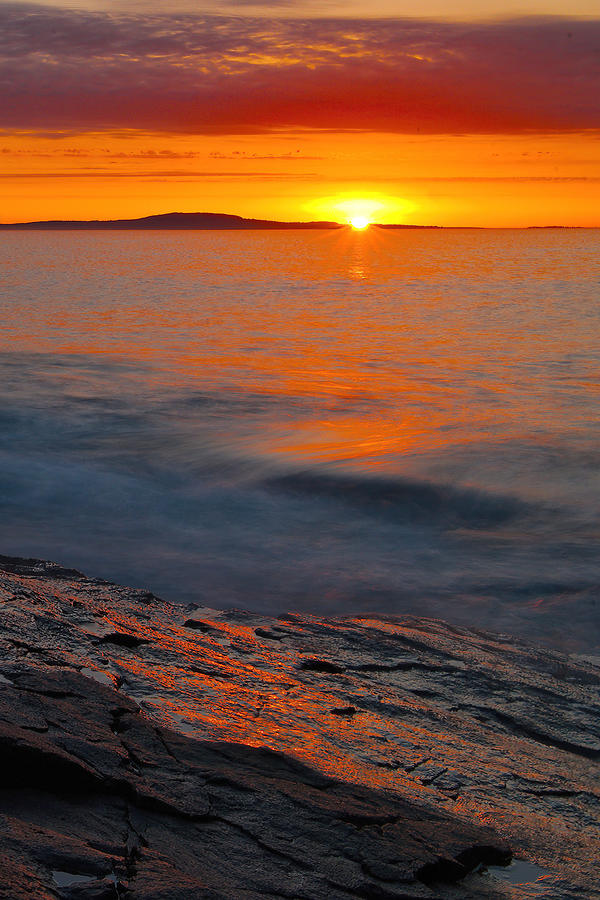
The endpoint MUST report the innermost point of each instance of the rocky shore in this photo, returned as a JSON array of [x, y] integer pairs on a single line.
[[154, 751]]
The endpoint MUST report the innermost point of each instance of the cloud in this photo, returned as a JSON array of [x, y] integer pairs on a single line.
[[292, 156], [175, 174], [71, 70]]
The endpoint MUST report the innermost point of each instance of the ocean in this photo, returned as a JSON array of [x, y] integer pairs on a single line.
[[392, 422]]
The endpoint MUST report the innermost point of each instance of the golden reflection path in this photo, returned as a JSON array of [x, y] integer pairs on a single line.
[[379, 342]]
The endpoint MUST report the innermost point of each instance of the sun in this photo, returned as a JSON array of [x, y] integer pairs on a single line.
[[360, 211]]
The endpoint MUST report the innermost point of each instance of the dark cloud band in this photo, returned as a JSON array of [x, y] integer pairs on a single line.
[[75, 70]]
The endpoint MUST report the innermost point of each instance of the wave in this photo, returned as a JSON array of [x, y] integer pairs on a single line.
[[413, 501]]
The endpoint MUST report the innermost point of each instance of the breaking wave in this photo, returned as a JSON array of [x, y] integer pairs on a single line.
[[407, 500]]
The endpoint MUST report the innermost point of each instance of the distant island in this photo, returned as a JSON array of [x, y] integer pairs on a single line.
[[211, 222], [176, 220]]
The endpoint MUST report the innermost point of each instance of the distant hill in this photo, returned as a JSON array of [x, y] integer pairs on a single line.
[[209, 221], [216, 221], [411, 227]]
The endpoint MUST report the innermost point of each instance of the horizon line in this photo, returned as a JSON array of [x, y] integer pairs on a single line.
[[231, 221]]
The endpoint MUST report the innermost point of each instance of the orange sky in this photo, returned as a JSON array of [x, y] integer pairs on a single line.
[[106, 115]]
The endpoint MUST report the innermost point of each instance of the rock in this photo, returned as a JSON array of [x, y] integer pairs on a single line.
[[267, 633], [104, 792], [196, 624], [226, 765], [344, 711], [122, 639], [320, 665]]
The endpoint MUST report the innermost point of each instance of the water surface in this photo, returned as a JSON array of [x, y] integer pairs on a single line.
[[336, 422]]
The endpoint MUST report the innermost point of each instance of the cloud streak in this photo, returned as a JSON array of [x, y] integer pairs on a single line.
[[79, 71]]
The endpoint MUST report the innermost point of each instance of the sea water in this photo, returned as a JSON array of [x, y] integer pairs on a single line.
[[397, 422]]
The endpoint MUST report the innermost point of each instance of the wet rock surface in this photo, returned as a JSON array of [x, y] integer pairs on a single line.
[[148, 751]]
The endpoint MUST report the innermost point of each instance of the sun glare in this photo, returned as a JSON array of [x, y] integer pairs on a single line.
[[362, 210]]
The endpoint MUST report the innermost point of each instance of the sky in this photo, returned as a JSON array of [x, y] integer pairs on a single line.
[[465, 113]]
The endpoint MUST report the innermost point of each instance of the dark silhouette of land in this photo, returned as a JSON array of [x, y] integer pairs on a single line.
[[393, 227], [212, 221], [182, 221], [208, 222]]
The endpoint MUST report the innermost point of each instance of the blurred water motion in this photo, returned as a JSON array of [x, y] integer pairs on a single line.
[[336, 422]]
